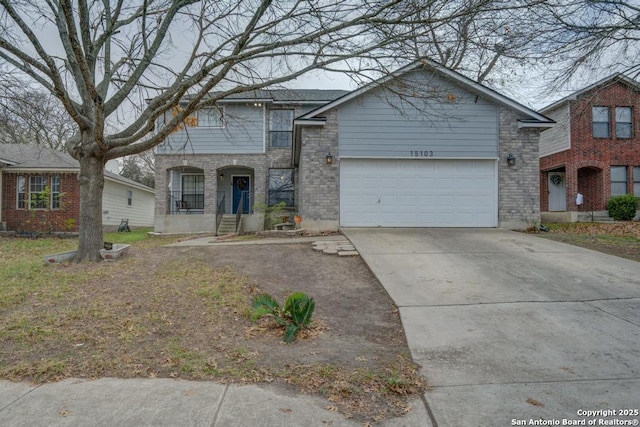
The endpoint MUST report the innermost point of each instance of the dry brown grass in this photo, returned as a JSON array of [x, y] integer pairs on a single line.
[[183, 312]]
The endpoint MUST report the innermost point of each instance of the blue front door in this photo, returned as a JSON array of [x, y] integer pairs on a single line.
[[241, 186]]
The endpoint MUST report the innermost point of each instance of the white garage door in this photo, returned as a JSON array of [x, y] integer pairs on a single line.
[[418, 193]]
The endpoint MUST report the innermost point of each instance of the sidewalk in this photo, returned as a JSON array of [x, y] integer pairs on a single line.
[[214, 241], [168, 402]]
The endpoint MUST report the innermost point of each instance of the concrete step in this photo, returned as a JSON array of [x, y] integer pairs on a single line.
[[227, 225]]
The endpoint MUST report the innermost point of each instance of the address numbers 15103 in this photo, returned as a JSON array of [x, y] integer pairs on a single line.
[[426, 153]]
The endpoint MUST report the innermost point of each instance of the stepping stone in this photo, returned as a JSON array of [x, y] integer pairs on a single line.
[[348, 253], [330, 251]]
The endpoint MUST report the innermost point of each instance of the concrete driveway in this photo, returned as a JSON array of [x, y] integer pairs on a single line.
[[509, 327]]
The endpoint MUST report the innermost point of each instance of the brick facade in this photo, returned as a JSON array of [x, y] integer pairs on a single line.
[[518, 185], [587, 163], [64, 219], [318, 195]]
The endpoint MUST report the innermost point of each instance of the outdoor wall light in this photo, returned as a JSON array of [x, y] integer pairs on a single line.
[[221, 175], [511, 160], [329, 158]]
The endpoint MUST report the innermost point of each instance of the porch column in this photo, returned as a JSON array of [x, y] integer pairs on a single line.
[[210, 189]]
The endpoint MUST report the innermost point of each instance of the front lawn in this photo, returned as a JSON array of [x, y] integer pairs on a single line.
[[615, 238], [183, 312]]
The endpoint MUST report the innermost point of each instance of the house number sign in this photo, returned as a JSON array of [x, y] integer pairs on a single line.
[[421, 153]]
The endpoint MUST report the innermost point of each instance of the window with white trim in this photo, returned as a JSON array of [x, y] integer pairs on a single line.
[[209, 118], [600, 122], [281, 187], [280, 128], [37, 194], [21, 192], [129, 198], [618, 180], [636, 181], [192, 191], [624, 122], [55, 191]]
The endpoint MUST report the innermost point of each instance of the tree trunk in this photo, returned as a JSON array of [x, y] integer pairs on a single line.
[[91, 188]]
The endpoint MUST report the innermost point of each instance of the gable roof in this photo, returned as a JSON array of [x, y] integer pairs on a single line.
[[32, 157], [314, 117], [39, 159], [612, 79], [534, 119]]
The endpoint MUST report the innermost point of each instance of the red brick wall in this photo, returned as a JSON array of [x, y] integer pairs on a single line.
[[597, 154], [38, 219]]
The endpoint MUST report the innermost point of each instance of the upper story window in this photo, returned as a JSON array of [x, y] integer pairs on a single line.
[[601, 122], [281, 187], [280, 128], [209, 118], [624, 123]]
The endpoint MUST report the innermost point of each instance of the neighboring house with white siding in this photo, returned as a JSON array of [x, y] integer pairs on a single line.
[[423, 147], [39, 192]]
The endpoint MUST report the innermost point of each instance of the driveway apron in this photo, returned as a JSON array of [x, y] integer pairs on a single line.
[[511, 328]]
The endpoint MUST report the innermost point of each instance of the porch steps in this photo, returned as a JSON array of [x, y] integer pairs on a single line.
[[227, 225]]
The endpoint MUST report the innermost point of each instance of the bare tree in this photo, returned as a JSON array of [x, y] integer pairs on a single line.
[[140, 168], [28, 116], [586, 38], [101, 58]]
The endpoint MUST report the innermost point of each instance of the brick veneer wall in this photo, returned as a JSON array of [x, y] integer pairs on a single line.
[[211, 164], [518, 185], [319, 197], [597, 154], [40, 220]]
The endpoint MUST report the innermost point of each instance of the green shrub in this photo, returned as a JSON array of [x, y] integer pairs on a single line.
[[296, 314], [622, 208]]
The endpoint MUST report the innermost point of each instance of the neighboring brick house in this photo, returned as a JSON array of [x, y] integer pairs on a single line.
[[594, 150], [39, 192], [423, 147]]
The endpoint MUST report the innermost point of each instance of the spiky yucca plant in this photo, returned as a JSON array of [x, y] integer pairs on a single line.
[[296, 314]]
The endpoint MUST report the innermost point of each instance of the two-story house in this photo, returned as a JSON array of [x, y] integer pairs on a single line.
[[421, 147], [593, 151], [234, 156]]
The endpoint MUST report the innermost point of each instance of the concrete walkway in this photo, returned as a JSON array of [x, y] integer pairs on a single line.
[[509, 327], [166, 402]]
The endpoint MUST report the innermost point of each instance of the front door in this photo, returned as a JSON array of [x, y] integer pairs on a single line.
[[557, 192], [241, 187]]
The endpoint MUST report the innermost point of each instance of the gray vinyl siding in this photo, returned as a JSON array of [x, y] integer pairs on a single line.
[[242, 133], [558, 138], [438, 120]]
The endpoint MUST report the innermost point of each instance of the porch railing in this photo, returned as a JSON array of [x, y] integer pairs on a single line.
[[220, 209], [179, 202], [244, 201]]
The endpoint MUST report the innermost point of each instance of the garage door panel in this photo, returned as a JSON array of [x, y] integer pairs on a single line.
[[418, 193]]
